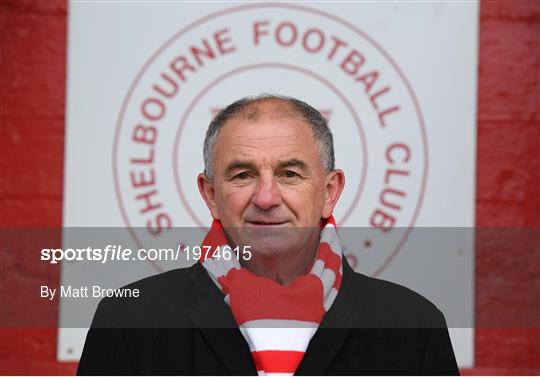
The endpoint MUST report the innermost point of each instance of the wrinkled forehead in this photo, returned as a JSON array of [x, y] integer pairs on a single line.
[[270, 132]]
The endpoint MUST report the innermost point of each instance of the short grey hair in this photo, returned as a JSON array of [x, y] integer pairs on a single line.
[[302, 110]]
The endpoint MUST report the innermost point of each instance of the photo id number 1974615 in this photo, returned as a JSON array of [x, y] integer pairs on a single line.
[[218, 252]]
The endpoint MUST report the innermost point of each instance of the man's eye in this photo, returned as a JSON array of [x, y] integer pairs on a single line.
[[241, 176], [290, 174]]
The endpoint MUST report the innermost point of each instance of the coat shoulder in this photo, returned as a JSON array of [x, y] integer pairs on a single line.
[[170, 294], [389, 304]]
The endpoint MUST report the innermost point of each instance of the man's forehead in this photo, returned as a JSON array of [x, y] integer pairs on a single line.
[[265, 125], [259, 157], [246, 144], [267, 132]]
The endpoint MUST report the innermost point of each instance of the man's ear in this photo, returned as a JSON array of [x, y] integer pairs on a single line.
[[206, 188], [335, 182]]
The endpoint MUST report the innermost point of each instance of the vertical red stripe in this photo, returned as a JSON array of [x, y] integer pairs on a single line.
[[277, 361]]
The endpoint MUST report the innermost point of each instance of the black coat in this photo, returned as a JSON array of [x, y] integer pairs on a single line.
[[373, 327]]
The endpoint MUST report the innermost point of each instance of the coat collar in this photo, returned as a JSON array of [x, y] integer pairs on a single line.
[[215, 320], [332, 332]]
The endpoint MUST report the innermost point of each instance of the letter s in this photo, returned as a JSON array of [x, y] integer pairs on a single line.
[[45, 254]]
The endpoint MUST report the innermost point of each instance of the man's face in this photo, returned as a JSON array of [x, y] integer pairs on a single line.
[[268, 180]]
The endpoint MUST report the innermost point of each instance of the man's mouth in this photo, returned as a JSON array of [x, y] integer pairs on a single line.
[[267, 223]]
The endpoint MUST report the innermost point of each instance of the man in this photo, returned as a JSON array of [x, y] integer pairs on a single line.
[[284, 300]]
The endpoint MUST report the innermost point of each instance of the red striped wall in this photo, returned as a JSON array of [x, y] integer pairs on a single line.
[[32, 93]]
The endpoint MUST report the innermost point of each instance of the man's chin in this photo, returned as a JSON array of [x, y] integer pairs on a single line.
[[273, 240], [268, 247], [273, 232]]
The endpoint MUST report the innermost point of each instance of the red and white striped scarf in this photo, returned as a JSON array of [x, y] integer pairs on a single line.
[[277, 321]]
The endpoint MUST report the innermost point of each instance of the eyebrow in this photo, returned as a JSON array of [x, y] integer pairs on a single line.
[[293, 162], [238, 164]]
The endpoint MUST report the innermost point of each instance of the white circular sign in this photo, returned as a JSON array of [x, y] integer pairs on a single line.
[[287, 49]]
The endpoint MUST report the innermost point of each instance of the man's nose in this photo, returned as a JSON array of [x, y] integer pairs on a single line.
[[266, 193]]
